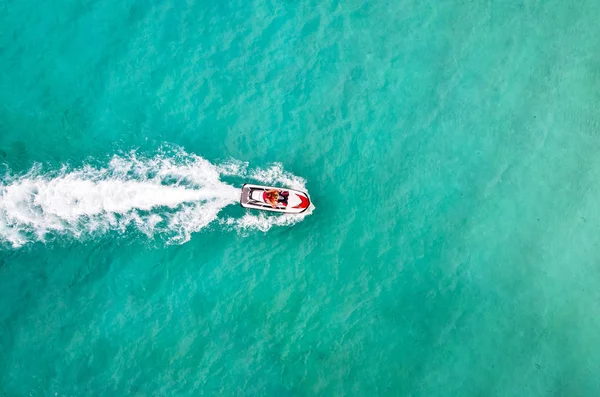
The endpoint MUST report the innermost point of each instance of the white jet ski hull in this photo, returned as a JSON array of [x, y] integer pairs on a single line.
[[253, 197]]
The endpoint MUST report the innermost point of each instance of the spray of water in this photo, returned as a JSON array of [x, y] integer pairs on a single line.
[[172, 194]]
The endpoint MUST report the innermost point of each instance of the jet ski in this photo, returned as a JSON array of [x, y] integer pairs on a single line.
[[275, 199]]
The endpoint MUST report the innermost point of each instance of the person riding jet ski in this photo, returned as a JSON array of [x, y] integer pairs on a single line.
[[276, 197]]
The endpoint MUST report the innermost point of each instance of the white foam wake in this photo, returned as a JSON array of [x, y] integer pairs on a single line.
[[174, 194]]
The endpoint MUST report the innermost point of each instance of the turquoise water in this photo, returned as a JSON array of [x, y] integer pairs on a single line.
[[450, 148]]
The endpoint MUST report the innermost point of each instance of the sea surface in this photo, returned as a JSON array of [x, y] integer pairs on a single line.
[[451, 150]]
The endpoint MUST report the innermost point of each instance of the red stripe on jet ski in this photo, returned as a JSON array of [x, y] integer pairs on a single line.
[[304, 202]]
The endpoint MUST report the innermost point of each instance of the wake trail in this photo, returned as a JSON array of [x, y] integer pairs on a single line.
[[172, 194]]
